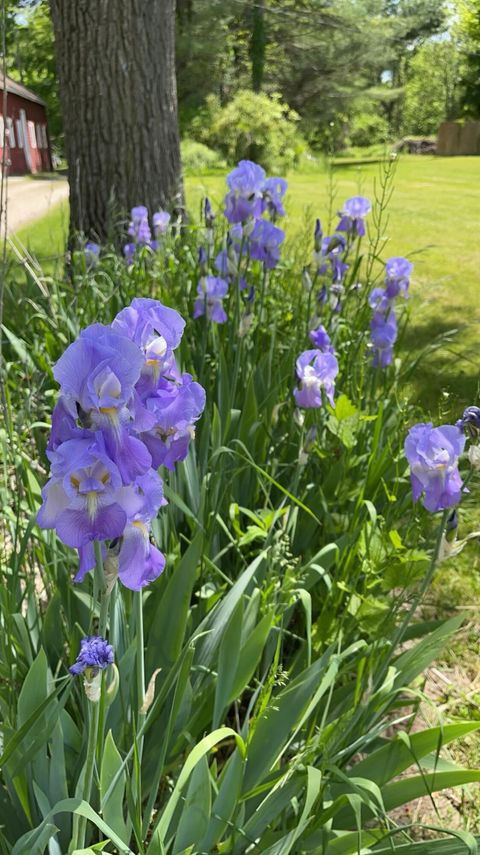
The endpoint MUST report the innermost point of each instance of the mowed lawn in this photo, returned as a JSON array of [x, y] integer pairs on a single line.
[[434, 219]]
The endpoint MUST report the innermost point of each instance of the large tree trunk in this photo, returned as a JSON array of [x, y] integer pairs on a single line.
[[116, 66]]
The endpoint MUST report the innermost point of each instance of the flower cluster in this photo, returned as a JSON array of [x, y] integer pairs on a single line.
[[330, 251], [383, 325], [250, 195], [124, 410], [433, 454], [251, 237], [139, 230]]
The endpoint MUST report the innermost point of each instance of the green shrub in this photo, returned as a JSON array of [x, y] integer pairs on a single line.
[[367, 129], [197, 157], [254, 126]]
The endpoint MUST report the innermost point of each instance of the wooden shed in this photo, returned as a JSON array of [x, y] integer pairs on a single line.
[[24, 129]]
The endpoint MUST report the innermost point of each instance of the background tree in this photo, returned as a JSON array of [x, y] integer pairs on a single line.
[[31, 58], [468, 30], [119, 103], [432, 89]]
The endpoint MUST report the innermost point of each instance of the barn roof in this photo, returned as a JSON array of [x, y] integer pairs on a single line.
[[16, 88]]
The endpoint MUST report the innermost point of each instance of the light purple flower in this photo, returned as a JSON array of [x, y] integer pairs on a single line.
[[383, 330], [92, 254], [139, 228], [98, 373], [129, 251], [85, 499], [211, 291], [274, 190], [160, 220], [139, 561], [321, 340], [353, 214], [264, 243], [330, 259], [379, 300], [397, 276], [315, 371], [155, 329], [470, 421], [95, 653], [245, 198], [174, 408], [433, 453]]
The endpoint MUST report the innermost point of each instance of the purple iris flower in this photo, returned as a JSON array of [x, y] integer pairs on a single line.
[[470, 421], [379, 300], [202, 260], [330, 258], [274, 190], [92, 254], [145, 499], [264, 243], [174, 408], [85, 499], [322, 296], [383, 330], [155, 329], [211, 292], [353, 214], [397, 276], [139, 561], [245, 199], [315, 371], [317, 236], [208, 214], [433, 453], [138, 227], [97, 373], [321, 339], [129, 251], [160, 220], [95, 653], [64, 426]]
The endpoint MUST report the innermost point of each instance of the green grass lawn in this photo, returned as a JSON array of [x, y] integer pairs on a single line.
[[434, 219]]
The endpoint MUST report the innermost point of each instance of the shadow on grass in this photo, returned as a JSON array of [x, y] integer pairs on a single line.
[[445, 380]]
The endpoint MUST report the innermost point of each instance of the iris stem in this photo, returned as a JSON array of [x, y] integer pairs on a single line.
[[80, 823], [138, 605], [397, 638]]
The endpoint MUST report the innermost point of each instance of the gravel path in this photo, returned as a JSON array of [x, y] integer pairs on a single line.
[[29, 199]]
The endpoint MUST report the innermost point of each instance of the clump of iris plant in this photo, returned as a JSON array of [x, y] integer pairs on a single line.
[[433, 454], [251, 237], [124, 410], [383, 325]]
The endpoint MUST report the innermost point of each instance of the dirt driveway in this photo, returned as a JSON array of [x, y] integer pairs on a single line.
[[31, 198]]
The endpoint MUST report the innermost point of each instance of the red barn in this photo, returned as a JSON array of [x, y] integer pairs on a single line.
[[24, 129]]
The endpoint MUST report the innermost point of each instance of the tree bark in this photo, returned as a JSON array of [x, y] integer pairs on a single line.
[[116, 67]]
